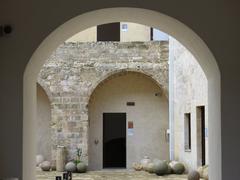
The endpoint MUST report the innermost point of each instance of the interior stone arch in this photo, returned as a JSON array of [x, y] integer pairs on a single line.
[[74, 70], [149, 117]]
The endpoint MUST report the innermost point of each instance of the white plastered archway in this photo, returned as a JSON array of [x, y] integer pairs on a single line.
[[142, 16]]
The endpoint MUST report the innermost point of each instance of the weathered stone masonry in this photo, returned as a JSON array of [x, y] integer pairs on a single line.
[[74, 70]]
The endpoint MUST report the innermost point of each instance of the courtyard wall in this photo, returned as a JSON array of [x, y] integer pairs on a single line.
[[189, 92], [74, 70]]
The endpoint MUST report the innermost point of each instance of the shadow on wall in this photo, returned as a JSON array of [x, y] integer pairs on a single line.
[[43, 130]]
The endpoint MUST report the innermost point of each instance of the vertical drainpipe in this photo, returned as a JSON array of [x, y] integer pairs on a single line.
[[171, 99]]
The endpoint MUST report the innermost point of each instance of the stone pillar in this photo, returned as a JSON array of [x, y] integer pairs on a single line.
[[61, 158]]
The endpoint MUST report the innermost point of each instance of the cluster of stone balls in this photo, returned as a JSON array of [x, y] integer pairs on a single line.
[[159, 167], [162, 167], [79, 167]]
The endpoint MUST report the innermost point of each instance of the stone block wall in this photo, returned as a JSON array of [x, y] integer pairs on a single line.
[[74, 70]]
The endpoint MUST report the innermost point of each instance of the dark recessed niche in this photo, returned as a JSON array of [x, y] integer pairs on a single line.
[[5, 30], [130, 103]]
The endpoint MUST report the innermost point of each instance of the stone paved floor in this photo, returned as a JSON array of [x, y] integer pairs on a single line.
[[111, 175]]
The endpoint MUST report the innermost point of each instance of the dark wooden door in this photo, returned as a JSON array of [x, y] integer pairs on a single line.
[[114, 140]]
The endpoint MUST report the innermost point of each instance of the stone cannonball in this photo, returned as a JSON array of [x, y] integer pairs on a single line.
[[81, 167], [70, 166], [137, 166], [193, 175], [178, 168], [45, 166], [160, 167], [150, 167]]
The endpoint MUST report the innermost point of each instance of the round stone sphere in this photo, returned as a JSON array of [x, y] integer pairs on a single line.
[[193, 175], [150, 167], [45, 166], [178, 168], [39, 159], [81, 167], [156, 160], [137, 166], [160, 167], [70, 166]]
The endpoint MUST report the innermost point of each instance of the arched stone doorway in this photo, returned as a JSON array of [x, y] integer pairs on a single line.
[[154, 19], [147, 116], [70, 86]]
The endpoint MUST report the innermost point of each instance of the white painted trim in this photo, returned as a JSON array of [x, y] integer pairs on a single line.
[[142, 16], [171, 103]]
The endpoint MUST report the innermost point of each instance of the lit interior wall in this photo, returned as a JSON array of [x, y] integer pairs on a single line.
[[189, 91], [149, 116]]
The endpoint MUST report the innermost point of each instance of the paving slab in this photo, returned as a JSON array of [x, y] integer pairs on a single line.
[[110, 175]]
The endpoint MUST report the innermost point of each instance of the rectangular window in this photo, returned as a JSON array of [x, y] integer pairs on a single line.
[[151, 34], [108, 32], [187, 131], [124, 27]]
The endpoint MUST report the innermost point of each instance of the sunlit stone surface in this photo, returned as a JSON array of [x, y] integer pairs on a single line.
[[110, 175]]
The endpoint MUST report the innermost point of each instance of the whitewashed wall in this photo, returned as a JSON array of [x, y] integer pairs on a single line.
[[189, 91]]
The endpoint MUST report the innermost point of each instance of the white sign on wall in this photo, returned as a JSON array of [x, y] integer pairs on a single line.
[[130, 132]]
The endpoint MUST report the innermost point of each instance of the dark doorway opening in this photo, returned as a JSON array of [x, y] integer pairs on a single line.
[[202, 135], [114, 140]]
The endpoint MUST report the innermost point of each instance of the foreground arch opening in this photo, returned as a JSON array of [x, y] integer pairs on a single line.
[[188, 38]]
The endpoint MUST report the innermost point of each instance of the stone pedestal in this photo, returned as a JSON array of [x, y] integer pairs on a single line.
[[60, 158]]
